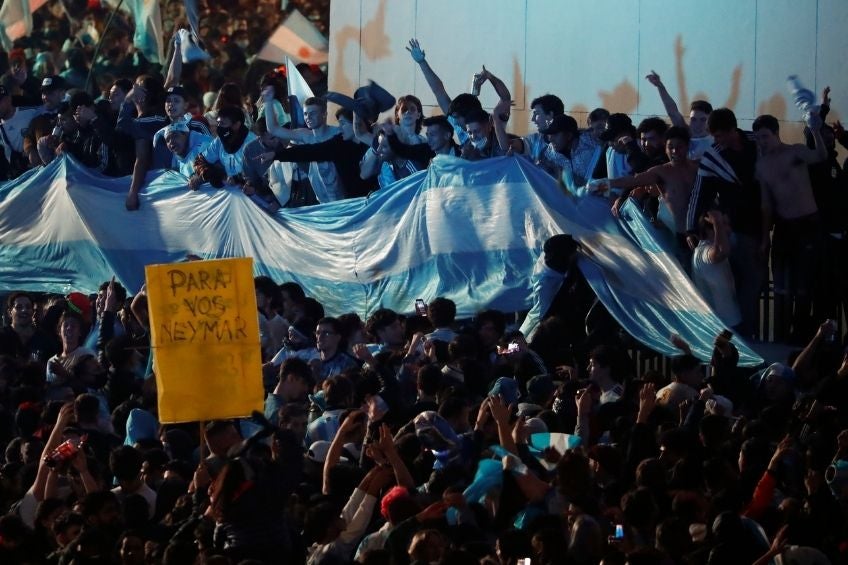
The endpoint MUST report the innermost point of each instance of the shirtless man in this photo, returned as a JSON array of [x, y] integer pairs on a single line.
[[673, 179], [788, 205]]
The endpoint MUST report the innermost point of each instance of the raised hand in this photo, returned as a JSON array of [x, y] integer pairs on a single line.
[[415, 50], [654, 78]]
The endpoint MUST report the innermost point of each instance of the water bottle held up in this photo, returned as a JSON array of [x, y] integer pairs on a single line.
[[804, 98]]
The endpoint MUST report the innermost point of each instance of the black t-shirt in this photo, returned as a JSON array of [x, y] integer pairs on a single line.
[[40, 346]]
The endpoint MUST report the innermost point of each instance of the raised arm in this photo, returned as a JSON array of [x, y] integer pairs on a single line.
[[433, 81], [175, 69], [720, 249], [670, 105], [271, 119], [499, 86], [819, 154], [498, 113]]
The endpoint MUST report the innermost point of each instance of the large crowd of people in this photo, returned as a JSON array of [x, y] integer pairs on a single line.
[[420, 438]]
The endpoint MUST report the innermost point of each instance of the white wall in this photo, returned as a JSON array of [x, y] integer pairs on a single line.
[[591, 53]]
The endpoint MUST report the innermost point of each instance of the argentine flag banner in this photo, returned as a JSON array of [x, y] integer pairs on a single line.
[[468, 231]]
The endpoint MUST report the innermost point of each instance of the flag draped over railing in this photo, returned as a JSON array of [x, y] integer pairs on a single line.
[[469, 231]]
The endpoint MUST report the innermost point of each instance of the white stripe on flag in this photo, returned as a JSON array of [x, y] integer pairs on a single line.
[[297, 38]]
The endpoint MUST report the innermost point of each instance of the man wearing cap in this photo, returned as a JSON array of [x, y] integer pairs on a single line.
[[14, 123], [52, 94], [573, 153], [175, 108], [183, 147]]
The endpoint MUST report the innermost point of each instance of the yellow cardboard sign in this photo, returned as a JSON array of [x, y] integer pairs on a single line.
[[204, 330]]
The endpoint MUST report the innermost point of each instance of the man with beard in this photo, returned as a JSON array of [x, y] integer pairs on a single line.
[[223, 160], [652, 139]]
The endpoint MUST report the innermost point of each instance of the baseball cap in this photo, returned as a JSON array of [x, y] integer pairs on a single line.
[[176, 91], [176, 127], [79, 303], [51, 83]]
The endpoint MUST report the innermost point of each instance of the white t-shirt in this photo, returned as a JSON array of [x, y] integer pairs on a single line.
[[233, 163], [197, 144], [145, 491], [16, 127]]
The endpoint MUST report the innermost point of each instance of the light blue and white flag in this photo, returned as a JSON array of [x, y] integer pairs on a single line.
[[299, 91], [148, 29], [16, 20], [468, 231]]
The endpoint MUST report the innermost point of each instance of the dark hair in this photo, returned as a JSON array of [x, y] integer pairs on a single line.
[[550, 103], [337, 325], [409, 98], [682, 363], [479, 116], [290, 411], [338, 391], [229, 95], [701, 106], [232, 113], [768, 122], [599, 114], [678, 132], [278, 81], [318, 518], [124, 84], [722, 119], [260, 128], [118, 289], [440, 122], [441, 311], [463, 104], [86, 406], [10, 302], [452, 407], [380, 319], [652, 124], [125, 462], [294, 290], [344, 113], [299, 368], [494, 317], [154, 89], [316, 101], [429, 379], [94, 502], [268, 287], [65, 521]]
